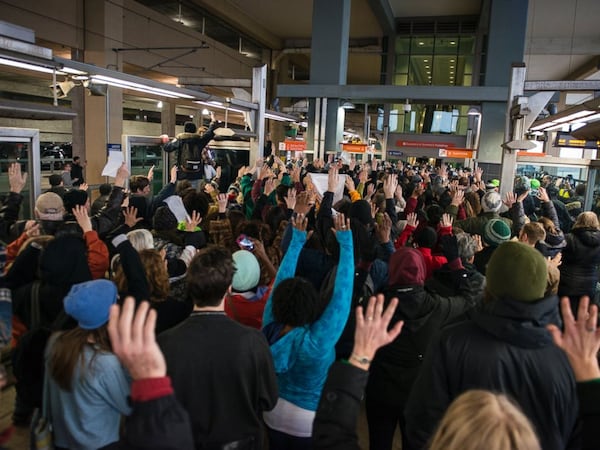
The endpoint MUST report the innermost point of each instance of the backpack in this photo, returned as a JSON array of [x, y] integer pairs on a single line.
[[28, 356]]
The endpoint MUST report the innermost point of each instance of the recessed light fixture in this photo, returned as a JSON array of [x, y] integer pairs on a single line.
[[452, 42], [421, 43], [425, 60], [452, 67], [427, 67], [452, 72], [451, 60]]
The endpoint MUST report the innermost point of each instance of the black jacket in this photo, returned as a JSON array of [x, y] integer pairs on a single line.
[[580, 260], [505, 348], [396, 365]]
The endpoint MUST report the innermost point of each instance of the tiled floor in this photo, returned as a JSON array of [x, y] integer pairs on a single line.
[[20, 438]]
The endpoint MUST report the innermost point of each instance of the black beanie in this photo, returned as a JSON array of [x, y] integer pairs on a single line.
[[361, 210], [427, 237], [164, 220], [74, 197]]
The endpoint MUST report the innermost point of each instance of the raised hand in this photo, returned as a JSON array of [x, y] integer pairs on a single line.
[[122, 175], [510, 198], [222, 202], [269, 186], [173, 174], [371, 331], [349, 182], [446, 220], [303, 205], [83, 187], [383, 230], [389, 186], [543, 195], [299, 222], [130, 216], [150, 175], [332, 179], [193, 221], [16, 179], [580, 339], [340, 224], [411, 220], [32, 228], [457, 197], [82, 217], [290, 198], [134, 341]]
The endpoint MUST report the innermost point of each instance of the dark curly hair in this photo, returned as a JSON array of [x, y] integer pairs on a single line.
[[295, 302]]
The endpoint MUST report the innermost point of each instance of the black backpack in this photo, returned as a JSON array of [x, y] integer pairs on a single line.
[[28, 357]]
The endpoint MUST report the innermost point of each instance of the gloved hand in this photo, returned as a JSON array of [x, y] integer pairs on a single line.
[[449, 245]]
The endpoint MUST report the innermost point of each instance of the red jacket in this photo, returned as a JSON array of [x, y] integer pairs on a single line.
[[247, 307]]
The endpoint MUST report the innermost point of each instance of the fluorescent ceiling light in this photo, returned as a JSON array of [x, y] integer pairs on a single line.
[[138, 87], [28, 66], [560, 126], [219, 105], [72, 71], [592, 118], [279, 118], [575, 115], [542, 126]]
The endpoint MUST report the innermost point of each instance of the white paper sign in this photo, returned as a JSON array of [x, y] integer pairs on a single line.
[[115, 159], [320, 182]]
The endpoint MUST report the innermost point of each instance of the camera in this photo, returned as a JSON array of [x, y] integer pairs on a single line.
[[245, 243]]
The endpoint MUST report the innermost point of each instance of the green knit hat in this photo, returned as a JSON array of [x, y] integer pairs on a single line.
[[517, 271], [495, 232]]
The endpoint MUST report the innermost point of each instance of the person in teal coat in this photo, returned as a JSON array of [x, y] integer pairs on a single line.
[[302, 338]]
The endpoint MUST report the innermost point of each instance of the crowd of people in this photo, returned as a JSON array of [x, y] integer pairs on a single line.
[[259, 317]]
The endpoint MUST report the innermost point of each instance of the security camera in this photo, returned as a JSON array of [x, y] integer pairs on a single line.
[[95, 89], [62, 89]]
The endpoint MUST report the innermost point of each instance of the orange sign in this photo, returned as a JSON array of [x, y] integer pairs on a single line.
[[401, 143], [354, 148], [531, 153], [455, 153], [288, 145]]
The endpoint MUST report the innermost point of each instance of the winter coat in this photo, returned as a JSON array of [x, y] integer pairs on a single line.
[[580, 260], [504, 347]]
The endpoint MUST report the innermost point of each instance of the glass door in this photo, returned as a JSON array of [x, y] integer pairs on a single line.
[[143, 152], [21, 145]]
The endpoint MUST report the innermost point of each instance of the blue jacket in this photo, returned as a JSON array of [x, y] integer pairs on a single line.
[[302, 356], [89, 416]]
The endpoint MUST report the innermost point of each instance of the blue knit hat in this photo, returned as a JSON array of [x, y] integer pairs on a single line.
[[89, 303]]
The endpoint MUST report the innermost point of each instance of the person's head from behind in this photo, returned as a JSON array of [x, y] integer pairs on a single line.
[[209, 276], [532, 233], [548, 226], [580, 189], [516, 271], [247, 271], [467, 247], [89, 304], [139, 184], [141, 239], [104, 189], [156, 273], [76, 160], [480, 419], [295, 302], [55, 180], [587, 219], [49, 206]]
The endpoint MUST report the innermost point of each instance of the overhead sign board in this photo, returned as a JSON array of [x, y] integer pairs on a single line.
[[564, 139], [289, 145], [354, 148], [394, 153], [456, 153], [424, 144]]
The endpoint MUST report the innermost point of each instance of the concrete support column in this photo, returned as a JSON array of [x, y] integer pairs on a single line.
[[503, 50], [329, 62], [78, 105], [103, 115], [167, 119]]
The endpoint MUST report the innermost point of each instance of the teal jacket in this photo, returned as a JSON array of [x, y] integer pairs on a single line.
[[302, 356]]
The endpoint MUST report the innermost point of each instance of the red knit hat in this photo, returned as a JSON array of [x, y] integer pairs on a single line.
[[407, 267]]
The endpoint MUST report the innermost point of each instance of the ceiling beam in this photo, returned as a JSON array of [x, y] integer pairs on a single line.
[[397, 94], [220, 82], [385, 15], [242, 22], [562, 46], [567, 85]]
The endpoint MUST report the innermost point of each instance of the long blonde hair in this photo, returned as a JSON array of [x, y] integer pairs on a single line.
[[480, 419], [587, 219]]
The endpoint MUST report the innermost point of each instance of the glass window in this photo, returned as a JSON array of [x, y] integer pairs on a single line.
[[403, 45]]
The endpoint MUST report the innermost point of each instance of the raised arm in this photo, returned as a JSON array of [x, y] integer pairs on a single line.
[[329, 326], [287, 269]]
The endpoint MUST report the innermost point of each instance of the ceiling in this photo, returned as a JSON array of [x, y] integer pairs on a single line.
[[561, 35]]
